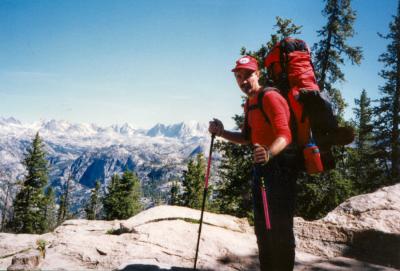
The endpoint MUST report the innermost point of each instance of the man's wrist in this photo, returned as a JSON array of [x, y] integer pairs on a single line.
[[269, 153]]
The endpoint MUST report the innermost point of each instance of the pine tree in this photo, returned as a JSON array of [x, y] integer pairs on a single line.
[[49, 211], [331, 49], [63, 210], [193, 183], [30, 202], [233, 195], [388, 111], [122, 199], [362, 165], [174, 192], [93, 206]]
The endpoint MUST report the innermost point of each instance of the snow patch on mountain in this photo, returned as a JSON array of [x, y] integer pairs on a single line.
[[180, 130]]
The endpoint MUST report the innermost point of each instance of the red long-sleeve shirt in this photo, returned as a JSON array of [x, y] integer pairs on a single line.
[[277, 110]]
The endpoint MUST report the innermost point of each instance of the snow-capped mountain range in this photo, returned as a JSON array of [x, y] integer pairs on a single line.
[[88, 152]]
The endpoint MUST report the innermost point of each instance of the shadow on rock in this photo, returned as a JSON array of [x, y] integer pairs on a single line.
[[249, 262], [149, 267], [375, 247]]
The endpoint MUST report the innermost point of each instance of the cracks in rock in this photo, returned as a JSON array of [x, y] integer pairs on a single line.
[[163, 249], [189, 220], [353, 212], [176, 255], [15, 253]]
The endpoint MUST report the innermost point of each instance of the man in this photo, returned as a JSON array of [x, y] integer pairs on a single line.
[[278, 163]]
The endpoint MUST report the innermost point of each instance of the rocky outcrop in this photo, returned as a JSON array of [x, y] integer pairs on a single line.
[[29, 260], [161, 236], [365, 227], [358, 235]]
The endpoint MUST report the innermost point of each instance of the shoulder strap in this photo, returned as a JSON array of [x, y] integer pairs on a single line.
[[260, 103], [246, 128]]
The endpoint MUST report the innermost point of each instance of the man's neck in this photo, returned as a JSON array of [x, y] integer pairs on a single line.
[[254, 93]]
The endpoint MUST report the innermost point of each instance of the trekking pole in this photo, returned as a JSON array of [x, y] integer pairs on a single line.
[[204, 198], [260, 176]]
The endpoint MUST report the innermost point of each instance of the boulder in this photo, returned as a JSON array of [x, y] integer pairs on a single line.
[[29, 260], [365, 227]]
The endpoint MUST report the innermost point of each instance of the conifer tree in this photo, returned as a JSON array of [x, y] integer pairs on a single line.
[[193, 183], [388, 111], [362, 165], [50, 213], [30, 203], [233, 193], [175, 189], [63, 210], [122, 199], [331, 49], [93, 206]]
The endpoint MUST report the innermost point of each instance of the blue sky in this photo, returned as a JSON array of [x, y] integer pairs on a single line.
[[154, 61]]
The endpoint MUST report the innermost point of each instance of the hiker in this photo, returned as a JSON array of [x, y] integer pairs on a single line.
[[277, 159]]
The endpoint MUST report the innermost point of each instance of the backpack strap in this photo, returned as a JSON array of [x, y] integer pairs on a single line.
[[258, 105], [246, 127]]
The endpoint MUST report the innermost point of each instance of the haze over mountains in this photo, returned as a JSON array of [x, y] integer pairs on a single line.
[[88, 152]]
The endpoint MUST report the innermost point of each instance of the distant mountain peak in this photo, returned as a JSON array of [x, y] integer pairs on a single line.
[[178, 130], [9, 120]]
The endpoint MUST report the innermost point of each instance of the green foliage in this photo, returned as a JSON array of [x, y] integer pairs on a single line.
[[151, 190], [233, 193], [174, 192], [318, 195], [119, 231], [363, 167], [122, 199], [41, 246], [93, 206], [63, 210], [30, 202], [193, 183], [284, 28], [387, 123], [331, 49], [36, 164], [50, 212]]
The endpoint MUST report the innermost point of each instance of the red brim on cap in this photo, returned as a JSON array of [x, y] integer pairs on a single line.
[[246, 67]]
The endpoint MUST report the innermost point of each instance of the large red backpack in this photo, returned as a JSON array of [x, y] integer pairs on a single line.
[[290, 68]]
